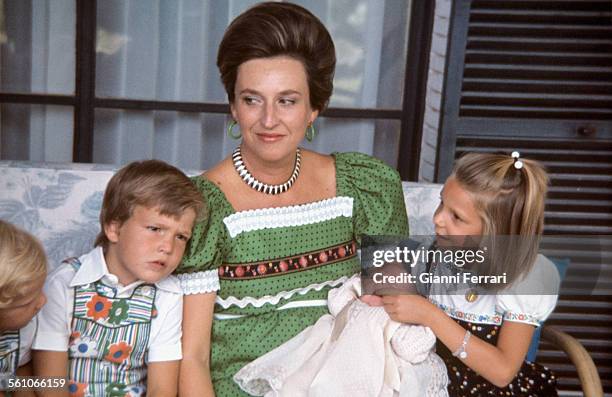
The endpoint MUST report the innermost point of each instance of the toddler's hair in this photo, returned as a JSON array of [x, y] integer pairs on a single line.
[[510, 202], [151, 184], [22, 260]]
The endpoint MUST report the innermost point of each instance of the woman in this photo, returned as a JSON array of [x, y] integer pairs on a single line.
[[283, 223]]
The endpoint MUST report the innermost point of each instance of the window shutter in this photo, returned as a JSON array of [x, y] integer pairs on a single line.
[[538, 59], [536, 76]]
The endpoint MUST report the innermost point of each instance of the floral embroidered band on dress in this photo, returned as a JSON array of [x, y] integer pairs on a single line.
[[290, 264]]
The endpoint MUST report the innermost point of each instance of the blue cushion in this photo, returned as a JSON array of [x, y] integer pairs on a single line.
[[561, 264]]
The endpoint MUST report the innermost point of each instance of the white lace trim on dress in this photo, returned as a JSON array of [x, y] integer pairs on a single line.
[[274, 299], [290, 305], [295, 215], [199, 282]]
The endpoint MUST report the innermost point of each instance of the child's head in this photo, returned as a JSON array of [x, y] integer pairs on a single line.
[[508, 199], [148, 211], [23, 269], [496, 195]]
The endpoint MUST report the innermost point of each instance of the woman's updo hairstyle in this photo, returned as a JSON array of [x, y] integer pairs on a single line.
[[280, 29]]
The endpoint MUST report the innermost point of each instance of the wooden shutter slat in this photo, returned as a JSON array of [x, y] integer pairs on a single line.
[[536, 113], [551, 100], [604, 319], [543, 5], [542, 42], [478, 30], [542, 16], [579, 168], [537, 146], [537, 58], [584, 179], [579, 205], [578, 219], [484, 84], [540, 45], [592, 305], [541, 72], [577, 229]]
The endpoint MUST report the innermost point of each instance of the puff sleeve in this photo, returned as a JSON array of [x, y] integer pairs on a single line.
[[534, 297], [378, 207], [197, 272]]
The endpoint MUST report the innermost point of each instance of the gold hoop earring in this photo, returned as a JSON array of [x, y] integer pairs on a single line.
[[310, 132], [230, 131]]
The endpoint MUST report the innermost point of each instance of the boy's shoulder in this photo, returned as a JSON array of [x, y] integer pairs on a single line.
[[170, 284], [168, 300], [61, 275], [65, 272]]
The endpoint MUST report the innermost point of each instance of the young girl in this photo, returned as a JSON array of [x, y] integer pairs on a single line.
[[483, 339], [23, 269]]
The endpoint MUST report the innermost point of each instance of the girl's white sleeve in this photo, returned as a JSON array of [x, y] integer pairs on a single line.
[[534, 297]]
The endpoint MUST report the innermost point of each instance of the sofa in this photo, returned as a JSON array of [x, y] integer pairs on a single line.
[[60, 204]]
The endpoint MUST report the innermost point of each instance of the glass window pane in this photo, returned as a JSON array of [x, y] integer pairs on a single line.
[[378, 138], [37, 46], [188, 140], [166, 50], [196, 141], [155, 49], [36, 132], [368, 73]]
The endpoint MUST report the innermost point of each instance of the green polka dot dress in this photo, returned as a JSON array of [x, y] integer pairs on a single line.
[[273, 268]]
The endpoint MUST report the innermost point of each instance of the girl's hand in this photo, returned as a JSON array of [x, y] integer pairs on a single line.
[[372, 300], [410, 309]]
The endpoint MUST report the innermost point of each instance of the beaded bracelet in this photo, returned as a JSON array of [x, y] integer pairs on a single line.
[[460, 352]]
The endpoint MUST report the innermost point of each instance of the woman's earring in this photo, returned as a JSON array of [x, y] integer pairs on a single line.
[[310, 132], [230, 131]]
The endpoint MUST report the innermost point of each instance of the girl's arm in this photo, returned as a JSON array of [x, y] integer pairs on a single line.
[[194, 376], [51, 363], [162, 378], [497, 364]]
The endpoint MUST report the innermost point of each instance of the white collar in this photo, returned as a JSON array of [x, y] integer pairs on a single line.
[[93, 268]]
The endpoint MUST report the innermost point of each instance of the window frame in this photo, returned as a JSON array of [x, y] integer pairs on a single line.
[[84, 101]]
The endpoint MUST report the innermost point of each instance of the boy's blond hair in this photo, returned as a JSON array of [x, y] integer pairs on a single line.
[[148, 183], [22, 260]]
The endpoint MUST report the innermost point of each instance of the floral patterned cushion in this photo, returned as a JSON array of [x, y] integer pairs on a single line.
[[60, 203], [421, 201]]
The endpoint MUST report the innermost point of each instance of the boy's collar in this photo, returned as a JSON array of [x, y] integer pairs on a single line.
[[93, 268]]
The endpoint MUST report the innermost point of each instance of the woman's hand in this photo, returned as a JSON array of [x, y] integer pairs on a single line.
[[410, 309]]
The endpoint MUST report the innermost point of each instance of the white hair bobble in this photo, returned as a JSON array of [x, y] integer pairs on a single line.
[[518, 164]]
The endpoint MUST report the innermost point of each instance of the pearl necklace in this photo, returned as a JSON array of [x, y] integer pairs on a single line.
[[254, 183]]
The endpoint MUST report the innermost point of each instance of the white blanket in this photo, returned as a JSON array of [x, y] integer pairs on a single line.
[[357, 350]]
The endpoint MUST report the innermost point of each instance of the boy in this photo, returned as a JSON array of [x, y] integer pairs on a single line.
[[113, 317], [23, 269]]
